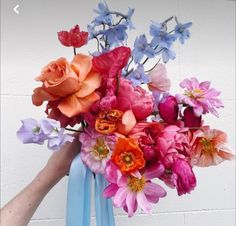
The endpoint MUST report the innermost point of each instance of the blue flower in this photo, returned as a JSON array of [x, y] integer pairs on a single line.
[[104, 16], [115, 35], [160, 36], [142, 48], [167, 54], [128, 17], [182, 32], [138, 76]]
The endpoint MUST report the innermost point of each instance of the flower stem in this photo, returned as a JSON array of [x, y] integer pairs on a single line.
[[74, 130], [117, 84], [154, 66], [75, 51]]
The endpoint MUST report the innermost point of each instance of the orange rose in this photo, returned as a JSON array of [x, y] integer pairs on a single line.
[[72, 84]]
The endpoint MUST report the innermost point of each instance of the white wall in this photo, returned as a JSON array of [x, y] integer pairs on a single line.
[[29, 42]]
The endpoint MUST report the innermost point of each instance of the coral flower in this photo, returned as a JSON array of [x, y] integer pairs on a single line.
[[127, 155], [200, 97], [131, 191], [74, 37], [96, 149], [209, 147], [72, 85]]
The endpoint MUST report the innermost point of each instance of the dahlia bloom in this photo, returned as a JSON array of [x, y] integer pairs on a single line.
[[131, 191], [209, 147], [96, 149], [200, 97]]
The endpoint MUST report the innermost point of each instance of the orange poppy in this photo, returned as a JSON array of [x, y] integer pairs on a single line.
[[128, 156]]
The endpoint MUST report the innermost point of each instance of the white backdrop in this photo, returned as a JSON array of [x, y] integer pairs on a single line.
[[29, 42]]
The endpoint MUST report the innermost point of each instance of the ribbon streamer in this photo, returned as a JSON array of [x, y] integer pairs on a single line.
[[79, 197], [104, 208], [79, 194]]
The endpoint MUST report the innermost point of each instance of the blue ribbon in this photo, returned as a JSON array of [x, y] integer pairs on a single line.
[[79, 197], [78, 194], [104, 208]]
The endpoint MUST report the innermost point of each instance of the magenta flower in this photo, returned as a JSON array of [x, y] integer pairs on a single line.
[[96, 149], [190, 120], [131, 191], [200, 97], [168, 109]]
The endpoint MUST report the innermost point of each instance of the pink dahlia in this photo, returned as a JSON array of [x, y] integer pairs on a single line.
[[131, 191], [96, 149], [200, 97]]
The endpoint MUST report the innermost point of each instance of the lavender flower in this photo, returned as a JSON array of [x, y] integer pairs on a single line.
[[36, 132], [138, 76]]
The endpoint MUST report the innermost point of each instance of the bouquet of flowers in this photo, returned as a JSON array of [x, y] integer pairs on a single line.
[[134, 132]]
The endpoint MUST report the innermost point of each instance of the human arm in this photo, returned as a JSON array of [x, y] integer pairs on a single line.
[[21, 208]]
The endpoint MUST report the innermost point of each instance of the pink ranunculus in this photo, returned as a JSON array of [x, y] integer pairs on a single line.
[[190, 120], [183, 177], [159, 80], [131, 191], [135, 99], [74, 37], [200, 97], [168, 109]]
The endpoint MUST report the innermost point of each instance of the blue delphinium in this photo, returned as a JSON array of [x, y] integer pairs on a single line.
[[115, 35], [142, 48], [128, 18], [104, 16], [160, 36], [138, 76], [182, 32]]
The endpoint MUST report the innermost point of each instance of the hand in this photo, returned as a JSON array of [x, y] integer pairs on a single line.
[[59, 163]]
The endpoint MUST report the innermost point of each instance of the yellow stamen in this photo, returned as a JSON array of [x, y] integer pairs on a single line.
[[100, 149], [207, 145], [136, 184]]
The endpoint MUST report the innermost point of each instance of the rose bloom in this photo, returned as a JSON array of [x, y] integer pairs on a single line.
[[71, 85], [74, 37], [209, 147]]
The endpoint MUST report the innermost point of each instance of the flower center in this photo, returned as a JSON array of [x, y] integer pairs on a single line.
[[100, 149], [207, 145], [195, 93], [107, 122], [127, 158], [136, 184], [36, 130]]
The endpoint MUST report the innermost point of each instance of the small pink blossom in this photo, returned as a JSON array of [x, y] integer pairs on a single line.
[[96, 149], [200, 97], [131, 191]]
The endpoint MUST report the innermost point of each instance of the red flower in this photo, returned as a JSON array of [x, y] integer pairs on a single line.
[[112, 62], [74, 37], [190, 120]]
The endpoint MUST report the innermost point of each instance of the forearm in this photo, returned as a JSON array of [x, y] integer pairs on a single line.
[[19, 210]]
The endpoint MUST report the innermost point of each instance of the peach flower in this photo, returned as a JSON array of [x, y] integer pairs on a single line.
[[209, 147], [72, 84]]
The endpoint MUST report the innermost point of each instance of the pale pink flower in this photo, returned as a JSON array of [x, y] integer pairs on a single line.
[[131, 191], [159, 79], [209, 147], [96, 149], [200, 97]]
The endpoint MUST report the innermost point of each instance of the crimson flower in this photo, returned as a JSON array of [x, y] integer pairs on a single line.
[[74, 37]]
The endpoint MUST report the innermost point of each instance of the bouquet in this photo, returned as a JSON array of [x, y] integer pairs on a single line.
[[134, 133]]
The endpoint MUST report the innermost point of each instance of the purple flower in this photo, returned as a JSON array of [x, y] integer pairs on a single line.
[[104, 16], [182, 32], [167, 54], [31, 132], [200, 97], [142, 48], [138, 76], [36, 132], [58, 139]]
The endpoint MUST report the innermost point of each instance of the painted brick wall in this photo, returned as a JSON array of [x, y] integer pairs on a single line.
[[29, 41]]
